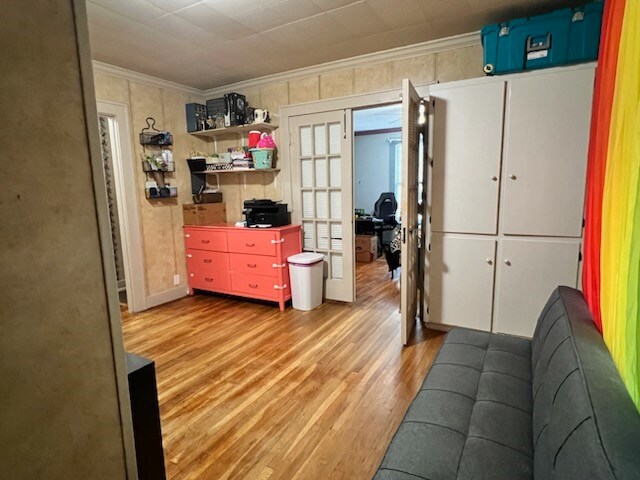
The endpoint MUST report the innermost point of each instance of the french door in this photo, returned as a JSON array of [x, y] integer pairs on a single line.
[[409, 257], [321, 153]]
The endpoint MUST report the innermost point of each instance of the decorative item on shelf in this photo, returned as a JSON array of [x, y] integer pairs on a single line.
[[196, 117], [260, 116], [263, 153], [235, 105], [152, 137]]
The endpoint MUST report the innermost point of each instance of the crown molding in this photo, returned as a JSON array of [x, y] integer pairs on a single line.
[[108, 69], [399, 53]]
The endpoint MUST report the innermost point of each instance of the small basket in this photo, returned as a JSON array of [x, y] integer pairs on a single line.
[[262, 158]]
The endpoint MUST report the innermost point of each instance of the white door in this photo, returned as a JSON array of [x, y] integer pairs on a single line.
[[409, 277], [528, 271], [322, 194], [467, 149], [546, 142], [461, 273]]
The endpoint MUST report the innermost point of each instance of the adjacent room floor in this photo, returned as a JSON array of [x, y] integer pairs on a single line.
[[247, 392]]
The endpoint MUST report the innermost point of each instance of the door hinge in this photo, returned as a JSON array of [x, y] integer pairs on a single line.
[[580, 256], [583, 223], [404, 235], [427, 309], [429, 248]]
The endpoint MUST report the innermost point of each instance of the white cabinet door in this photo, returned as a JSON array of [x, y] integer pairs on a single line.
[[546, 142], [528, 271], [461, 281], [467, 148]]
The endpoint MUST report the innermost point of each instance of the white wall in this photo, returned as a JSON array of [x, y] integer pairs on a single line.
[[372, 168]]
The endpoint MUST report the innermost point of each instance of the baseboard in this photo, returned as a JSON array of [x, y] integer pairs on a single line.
[[438, 326], [165, 297]]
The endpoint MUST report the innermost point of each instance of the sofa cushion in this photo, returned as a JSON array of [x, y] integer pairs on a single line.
[[472, 414]]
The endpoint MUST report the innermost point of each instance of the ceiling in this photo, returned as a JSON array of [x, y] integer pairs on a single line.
[[379, 118], [210, 43]]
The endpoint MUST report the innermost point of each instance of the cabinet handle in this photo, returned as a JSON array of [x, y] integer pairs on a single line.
[[281, 265], [512, 176], [278, 287], [273, 242], [494, 178], [208, 279], [191, 275], [186, 235], [252, 265], [507, 262], [249, 244], [189, 255], [205, 241], [489, 261], [207, 260], [253, 285]]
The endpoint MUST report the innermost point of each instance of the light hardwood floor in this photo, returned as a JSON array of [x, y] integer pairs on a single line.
[[247, 392]]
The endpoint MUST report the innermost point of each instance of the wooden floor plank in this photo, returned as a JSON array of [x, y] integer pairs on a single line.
[[249, 392]]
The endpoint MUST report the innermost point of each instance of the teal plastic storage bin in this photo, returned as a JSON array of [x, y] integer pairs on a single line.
[[262, 158], [557, 38]]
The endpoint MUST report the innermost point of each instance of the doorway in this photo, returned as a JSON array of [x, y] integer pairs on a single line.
[[377, 178], [124, 221]]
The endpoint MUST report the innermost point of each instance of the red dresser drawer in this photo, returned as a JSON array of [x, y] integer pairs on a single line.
[[205, 240], [252, 241], [208, 270], [254, 285], [253, 264]]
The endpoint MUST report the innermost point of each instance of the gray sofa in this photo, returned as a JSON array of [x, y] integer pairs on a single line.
[[499, 407]]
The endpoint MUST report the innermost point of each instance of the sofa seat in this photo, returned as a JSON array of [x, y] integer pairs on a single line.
[[498, 407], [473, 410]]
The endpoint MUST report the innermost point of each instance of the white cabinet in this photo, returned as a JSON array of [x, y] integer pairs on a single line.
[[500, 247], [463, 292], [467, 146], [528, 271], [546, 137]]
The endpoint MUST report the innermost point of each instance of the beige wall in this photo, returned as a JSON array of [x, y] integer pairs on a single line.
[[59, 401], [162, 219]]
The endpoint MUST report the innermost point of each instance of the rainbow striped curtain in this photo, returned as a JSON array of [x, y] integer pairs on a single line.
[[612, 230]]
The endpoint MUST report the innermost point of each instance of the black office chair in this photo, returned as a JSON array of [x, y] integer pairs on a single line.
[[385, 208]]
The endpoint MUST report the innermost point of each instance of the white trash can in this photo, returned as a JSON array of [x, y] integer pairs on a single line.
[[306, 278]]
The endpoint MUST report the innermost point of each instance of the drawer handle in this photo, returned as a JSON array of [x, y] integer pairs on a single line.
[[281, 265], [252, 265], [189, 255], [205, 241], [273, 242], [249, 244], [253, 285], [208, 279], [278, 287], [207, 260]]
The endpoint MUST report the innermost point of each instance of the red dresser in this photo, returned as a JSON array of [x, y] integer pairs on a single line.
[[247, 262]]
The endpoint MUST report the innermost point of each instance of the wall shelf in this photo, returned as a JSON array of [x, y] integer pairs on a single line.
[[239, 170], [238, 129]]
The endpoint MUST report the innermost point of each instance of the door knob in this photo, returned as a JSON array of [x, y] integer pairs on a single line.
[[512, 176], [507, 262], [494, 178], [489, 261]]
